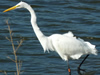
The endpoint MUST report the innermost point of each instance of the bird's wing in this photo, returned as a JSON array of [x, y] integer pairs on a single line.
[[69, 46], [66, 45]]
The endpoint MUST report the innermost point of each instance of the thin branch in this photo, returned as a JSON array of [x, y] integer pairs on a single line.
[[8, 39], [19, 44], [18, 64], [10, 58]]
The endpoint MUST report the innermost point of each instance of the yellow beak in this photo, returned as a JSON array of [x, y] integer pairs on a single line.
[[14, 7]]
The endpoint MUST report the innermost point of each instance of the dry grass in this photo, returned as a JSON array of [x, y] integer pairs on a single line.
[[15, 60]]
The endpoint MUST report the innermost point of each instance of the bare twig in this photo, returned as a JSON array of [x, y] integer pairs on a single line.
[[19, 44], [11, 59], [18, 64]]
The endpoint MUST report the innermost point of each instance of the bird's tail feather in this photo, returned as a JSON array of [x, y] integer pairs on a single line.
[[94, 50]]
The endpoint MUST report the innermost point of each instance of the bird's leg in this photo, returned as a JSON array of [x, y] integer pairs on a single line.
[[81, 64], [69, 70]]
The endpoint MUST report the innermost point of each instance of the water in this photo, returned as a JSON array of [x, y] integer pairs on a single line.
[[82, 17]]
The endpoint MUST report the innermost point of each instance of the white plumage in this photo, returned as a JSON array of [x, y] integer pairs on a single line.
[[66, 45]]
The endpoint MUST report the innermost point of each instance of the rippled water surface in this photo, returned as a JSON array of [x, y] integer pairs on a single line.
[[82, 17]]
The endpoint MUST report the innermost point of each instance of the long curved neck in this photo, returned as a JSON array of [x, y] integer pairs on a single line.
[[36, 29], [41, 37]]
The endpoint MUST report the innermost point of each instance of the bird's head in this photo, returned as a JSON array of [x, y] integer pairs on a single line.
[[19, 5]]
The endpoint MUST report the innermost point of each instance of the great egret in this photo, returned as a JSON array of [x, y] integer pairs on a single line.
[[66, 45]]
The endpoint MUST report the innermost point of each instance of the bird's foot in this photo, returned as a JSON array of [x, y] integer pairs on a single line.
[[79, 70]]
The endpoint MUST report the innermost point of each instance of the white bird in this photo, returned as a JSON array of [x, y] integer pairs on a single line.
[[66, 45]]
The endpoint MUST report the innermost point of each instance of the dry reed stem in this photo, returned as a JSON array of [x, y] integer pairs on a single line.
[[18, 63]]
